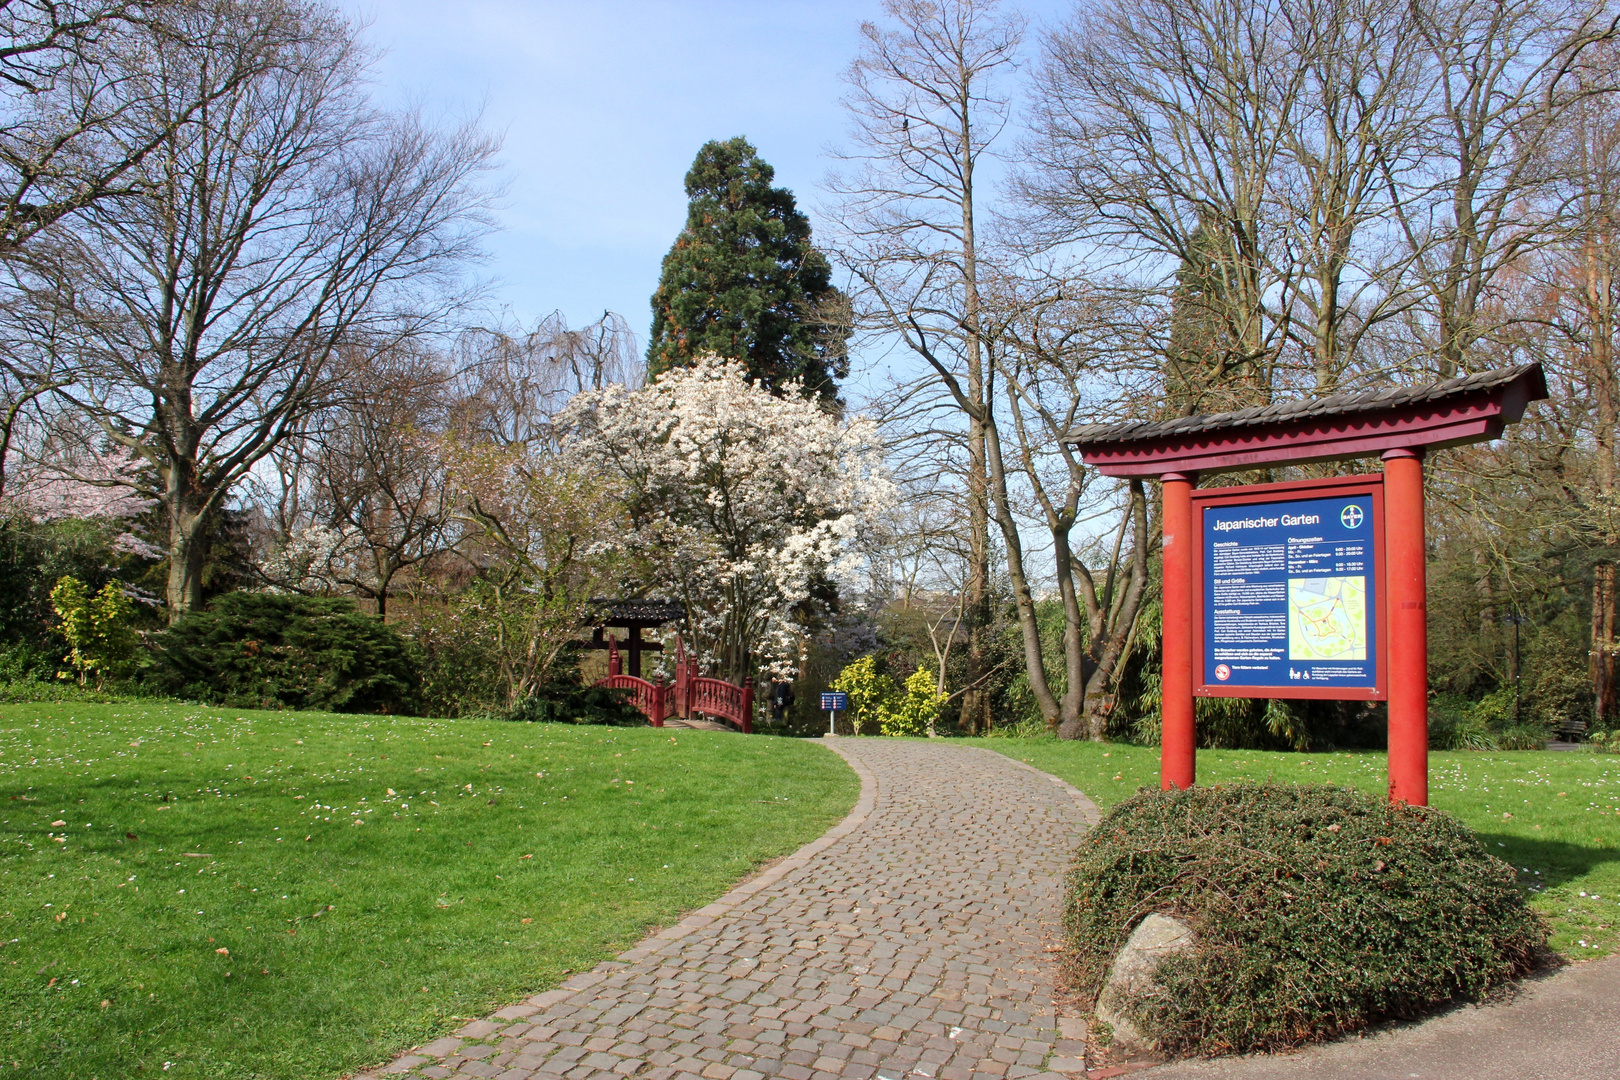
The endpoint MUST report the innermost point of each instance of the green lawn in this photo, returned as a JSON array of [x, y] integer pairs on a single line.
[[199, 892], [1555, 816]]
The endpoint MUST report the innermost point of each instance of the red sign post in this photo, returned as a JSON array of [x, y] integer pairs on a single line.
[[1409, 627], [1312, 589]]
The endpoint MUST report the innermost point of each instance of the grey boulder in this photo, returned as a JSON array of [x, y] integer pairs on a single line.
[[1131, 975]]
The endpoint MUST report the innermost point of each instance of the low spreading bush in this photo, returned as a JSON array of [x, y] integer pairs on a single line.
[[262, 650], [31, 691], [579, 705], [1457, 727], [1317, 910], [1523, 737], [1605, 742], [565, 698]]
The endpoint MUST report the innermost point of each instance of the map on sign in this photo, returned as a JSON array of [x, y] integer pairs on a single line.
[[1327, 618]]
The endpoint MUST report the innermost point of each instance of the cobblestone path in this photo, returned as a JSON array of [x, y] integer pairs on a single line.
[[908, 942]]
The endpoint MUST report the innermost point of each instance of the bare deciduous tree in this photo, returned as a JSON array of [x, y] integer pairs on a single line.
[[379, 471], [76, 116], [511, 383], [1060, 345], [926, 105], [285, 220], [1581, 290], [1322, 168], [1159, 129], [1503, 75]]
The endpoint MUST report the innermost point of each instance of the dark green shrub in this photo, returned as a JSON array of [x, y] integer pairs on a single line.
[[1454, 725], [1523, 737], [33, 558], [261, 650], [564, 698], [25, 663], [1318, 910], [578, 705]]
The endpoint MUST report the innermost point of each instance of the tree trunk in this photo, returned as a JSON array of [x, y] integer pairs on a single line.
[[1074, 690], [1488, 616], [975, 703], [1023, 596], [1112, 624], [1604, 388], [1605, 700], [187, 549], [387, 567]]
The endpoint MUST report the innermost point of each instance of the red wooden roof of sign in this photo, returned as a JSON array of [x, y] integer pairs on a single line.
[[1472, 408]]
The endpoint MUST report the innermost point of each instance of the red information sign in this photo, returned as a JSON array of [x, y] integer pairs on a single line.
[[1288, 590]]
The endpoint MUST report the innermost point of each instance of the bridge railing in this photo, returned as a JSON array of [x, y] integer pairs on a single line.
[[691, 694], [728, 701], [649, 697], [652, 698]]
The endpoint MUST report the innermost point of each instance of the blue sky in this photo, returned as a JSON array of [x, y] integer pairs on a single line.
[[603, 106]]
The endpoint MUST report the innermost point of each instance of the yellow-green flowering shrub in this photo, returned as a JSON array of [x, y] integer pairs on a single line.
[[875, 701], [96, 627], [868, 692], [914, 711]]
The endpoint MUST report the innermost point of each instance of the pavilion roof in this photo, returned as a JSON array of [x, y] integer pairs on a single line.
[[605, 611]]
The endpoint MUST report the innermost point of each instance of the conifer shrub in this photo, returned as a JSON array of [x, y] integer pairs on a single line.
[[564, 697], [268, 651], [1317, 910]]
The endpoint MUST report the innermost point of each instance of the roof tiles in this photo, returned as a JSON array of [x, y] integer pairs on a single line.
[[1283, 412]]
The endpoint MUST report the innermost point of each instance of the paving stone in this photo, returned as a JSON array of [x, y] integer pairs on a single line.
[[441, 1048], [907, 944], [517, 1012]]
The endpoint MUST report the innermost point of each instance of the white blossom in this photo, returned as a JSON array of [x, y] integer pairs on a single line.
[[740, 502], [306, 561], [84, 485]]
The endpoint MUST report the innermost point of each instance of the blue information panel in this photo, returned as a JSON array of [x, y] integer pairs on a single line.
[[835, 701], [1289, 595]]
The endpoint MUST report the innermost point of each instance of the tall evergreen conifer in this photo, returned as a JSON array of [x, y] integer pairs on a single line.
[[743, 280], [1206, 367]]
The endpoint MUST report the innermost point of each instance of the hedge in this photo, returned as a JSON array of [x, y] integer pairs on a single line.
[[1318, 910]]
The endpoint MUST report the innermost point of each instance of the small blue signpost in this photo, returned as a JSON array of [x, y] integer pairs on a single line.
[[834, 701], [1288, 598]]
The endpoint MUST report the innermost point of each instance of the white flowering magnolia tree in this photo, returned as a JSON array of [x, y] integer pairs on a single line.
[[748, 508]]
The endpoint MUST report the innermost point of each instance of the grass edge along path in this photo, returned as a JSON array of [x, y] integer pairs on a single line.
[[1555, 816], [191, 891]]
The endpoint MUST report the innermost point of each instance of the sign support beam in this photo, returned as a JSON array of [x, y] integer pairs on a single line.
[[1408, 617], [1177, 739]]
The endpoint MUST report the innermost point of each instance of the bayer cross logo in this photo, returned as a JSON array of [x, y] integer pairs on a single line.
[[1350, 517]]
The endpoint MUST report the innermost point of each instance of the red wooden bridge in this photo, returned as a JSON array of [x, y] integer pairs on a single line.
[[690, 695]]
